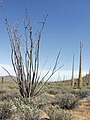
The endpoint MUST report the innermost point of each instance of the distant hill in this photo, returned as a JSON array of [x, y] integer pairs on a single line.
[[86, 79], [7, 78]]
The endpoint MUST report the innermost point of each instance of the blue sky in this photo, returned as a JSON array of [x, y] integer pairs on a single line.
[[68, 23]]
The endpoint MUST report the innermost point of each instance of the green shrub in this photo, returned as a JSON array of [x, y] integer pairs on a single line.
[[66, 101], [5, 111], [9, 95], [62, 115], [81, 93], [88, 98], [53, 91], [56, 113], [25, 108], [2, 91], [28, 113]]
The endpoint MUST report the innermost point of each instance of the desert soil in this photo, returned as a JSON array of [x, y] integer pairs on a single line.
[[82, 112]]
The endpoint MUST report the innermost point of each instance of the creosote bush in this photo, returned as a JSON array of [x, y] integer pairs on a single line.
[[2, 91], [81, 93], [5, 111], [55, 113], [66, 101], [26, 109], [28, 113], [9, 95]]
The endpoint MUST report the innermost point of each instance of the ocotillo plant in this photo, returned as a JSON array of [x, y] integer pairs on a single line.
[[80, 81], [72, 80], [26, 64]]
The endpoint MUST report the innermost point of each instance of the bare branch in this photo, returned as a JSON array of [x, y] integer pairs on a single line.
[[47, 80], [10, 75], [26, 64]]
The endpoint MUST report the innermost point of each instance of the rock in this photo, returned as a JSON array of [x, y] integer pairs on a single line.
[[43, 116]]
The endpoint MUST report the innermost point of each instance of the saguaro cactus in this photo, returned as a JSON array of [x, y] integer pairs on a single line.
[[80, 81], [89, 71], [89, 78], [72, 80]]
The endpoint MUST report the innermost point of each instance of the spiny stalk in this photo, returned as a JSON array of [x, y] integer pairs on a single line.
[[80, 81], [72, 81]]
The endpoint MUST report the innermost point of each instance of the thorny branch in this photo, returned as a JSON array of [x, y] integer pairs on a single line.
[[26, 66]]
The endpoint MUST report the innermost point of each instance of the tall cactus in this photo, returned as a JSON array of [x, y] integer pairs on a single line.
[[2, 80], [80, 81], [89, 78], [89, 71], [72, 80]]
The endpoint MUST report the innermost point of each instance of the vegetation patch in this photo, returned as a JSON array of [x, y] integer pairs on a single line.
[[5, 111], [66, 101], [81, 93], [55, 113]]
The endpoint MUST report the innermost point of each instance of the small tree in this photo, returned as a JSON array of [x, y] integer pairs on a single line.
[[26, 64]]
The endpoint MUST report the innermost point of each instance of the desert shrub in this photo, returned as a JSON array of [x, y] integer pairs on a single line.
[[62, 115], [25, 108], [88, 87], [2, 94], [50, 89], [88, 98], [81, 93], [66, 101], [56, 113], [66, 89], [2, 91], [9, 95], [45, 99], [28, 113], [13, 94], [5, 111], [53, 91]]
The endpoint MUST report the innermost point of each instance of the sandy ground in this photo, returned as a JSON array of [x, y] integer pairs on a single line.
[[82, 112]]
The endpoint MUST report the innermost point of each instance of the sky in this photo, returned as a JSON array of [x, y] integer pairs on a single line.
[[67, 24]]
